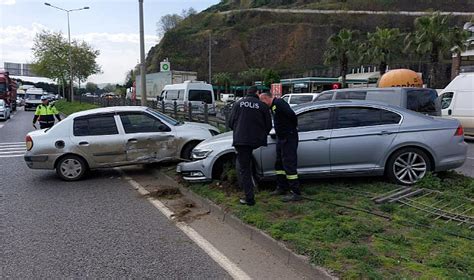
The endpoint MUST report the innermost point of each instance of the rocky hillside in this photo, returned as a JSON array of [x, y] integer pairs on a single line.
[[292, 43]]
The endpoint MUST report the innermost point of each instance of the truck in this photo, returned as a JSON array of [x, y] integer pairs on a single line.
[[8, 89], [155, 82]]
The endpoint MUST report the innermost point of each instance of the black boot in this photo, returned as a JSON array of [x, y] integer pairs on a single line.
[[247, 202], [278, 191]]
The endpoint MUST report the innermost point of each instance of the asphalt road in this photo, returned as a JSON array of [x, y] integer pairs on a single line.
[[96, 228]]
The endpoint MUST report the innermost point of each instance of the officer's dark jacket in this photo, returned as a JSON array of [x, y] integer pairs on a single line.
[[284, 118], [251, 122]]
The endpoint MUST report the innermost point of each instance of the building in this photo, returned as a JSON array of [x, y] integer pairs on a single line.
[[464, 62]]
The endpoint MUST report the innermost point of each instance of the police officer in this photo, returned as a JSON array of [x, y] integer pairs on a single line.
[[45, 113], [286, 129], [251, 122]]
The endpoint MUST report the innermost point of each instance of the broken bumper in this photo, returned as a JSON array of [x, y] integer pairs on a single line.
[[194, 171]]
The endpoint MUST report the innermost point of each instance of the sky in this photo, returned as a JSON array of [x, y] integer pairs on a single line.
[[109, 26]]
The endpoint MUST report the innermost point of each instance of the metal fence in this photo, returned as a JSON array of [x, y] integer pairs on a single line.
[[183, 112]]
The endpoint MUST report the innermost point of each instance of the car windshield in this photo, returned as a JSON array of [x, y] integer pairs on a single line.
[[299, 99], [33, 96], [164, 117]]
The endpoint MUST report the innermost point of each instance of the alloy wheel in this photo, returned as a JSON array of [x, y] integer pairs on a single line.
[[409, 167]]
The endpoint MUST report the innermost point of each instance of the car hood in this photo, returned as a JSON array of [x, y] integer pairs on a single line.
[[223, 141], [198, 125]]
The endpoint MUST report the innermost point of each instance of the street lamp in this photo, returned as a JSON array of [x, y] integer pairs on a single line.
[[69, 39], [142, 55]]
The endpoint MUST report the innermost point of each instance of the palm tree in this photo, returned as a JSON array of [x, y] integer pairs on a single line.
[[381, 47], [434, 36], [341, 48], [222, 79]]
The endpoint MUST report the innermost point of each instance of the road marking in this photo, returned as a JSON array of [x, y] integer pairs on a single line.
[[470, 157], [12, 149], [205, 245], [11, 156]]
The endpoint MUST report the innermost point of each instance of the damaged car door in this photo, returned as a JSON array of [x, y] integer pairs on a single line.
[[148, 139]]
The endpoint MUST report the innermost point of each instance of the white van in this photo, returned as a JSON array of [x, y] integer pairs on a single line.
[[227, 97], [457, 101], [195, 92]]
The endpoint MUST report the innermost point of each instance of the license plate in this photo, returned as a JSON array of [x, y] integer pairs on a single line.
[[178, 169]]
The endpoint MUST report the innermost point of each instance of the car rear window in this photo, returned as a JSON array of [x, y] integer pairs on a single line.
[[423, 101], [95, 125], [200, 95]]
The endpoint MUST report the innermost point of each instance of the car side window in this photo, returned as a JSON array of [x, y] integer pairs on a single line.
[[446, 99], [354, 95], [325, 96], [95, 125], [300, 99], [422, 101], [200, 95], [363, 116], [314, 120], [136, 122]]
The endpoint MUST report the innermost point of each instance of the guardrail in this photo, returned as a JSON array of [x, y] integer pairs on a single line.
[[184, 112]]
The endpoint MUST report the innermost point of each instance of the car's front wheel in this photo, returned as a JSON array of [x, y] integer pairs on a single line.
[[71, 168], [408, 166]]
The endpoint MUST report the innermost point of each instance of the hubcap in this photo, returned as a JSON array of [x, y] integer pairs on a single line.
[[409, 167], [71, 168]]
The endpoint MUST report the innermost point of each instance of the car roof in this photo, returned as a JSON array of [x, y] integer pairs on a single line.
[[346, 102], [115, 109]]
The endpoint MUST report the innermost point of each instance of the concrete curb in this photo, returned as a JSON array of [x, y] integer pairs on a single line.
[[298, 262]]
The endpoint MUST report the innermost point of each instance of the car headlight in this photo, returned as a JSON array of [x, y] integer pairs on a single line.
[[200, 153]]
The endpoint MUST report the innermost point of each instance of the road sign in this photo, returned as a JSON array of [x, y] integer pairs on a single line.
[[276, 90], [165, 66]]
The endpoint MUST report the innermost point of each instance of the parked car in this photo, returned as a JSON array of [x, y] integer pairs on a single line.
[[422, 100], [109, 137], [33, 98], [457, 101], [299, 98], [5, 111], [195, 92], [349, 138]]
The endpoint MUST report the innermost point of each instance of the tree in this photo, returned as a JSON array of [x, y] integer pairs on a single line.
[[223, 80], [435, 36], [130, 78], [170, 21], [341, 48], [91, 87], [271, 77], [51, 58], [382, 47], [109, 88]]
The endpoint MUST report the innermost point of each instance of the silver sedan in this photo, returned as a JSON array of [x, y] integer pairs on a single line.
[[349, 138], [109, 137]]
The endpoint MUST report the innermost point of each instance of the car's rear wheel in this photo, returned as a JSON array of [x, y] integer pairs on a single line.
[[408, 166], [71, 168]]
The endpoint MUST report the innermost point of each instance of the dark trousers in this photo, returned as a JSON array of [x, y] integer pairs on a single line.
[[244, 168], [44, 125], [287, 163]]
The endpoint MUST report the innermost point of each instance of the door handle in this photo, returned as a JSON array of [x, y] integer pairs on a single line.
[[133, 141], [385, 132], [83, 143], [450, 112], [321, 138]]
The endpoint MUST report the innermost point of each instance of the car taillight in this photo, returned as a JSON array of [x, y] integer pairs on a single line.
[[29, 143], [459, 131]]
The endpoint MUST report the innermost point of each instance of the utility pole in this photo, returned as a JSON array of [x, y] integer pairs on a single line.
[[70, 47], [210, 57], [142, 56]]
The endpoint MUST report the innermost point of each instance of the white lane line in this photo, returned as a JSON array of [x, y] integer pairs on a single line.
[[470, 157], [11, 143], [205, 245], [12, 148], [10, 156], [12, 152]]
